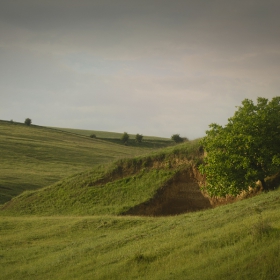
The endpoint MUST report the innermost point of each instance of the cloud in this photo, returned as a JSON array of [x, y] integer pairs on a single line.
[[153, 67]]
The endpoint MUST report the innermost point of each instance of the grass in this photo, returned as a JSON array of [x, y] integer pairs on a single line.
[[33, 157], [109, 135], [73, 229], [107, 189], [213, 244], [114, 137]]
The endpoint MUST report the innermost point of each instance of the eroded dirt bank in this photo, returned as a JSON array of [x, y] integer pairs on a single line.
[[179, 195], [182, 194]]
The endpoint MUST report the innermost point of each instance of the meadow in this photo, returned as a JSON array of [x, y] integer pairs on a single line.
[[33, 157], [75, 226], [235, 241]]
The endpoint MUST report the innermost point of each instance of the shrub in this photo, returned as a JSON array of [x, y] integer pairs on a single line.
[[92, 135], [125, 138], [177, 138], [138, 138], [28, 121]]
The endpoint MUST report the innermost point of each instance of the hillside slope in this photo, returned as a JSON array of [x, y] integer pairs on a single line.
[[161, 183], [33, 157], [236, 241]]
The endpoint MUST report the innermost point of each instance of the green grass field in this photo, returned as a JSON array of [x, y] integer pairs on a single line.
[[74, 227], [33, 157], [151, 142], [236, 241], [112, 188]]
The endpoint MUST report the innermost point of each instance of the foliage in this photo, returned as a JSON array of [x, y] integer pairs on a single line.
[[177, 138], [138, 138], [28, 121], [92, 135], [245, 150], [125, 137]]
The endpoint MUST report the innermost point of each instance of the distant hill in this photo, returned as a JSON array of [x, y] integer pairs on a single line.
[[34, 156], [152, 142]]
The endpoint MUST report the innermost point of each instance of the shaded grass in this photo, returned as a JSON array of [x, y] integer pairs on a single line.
[[213, 244], [34, 156]]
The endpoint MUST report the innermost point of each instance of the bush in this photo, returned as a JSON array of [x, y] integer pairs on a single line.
[[93, 135], [28, 121], [138, 138], [125, 138], [177, 138]]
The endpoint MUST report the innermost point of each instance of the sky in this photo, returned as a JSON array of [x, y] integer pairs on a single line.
[[153, 67]]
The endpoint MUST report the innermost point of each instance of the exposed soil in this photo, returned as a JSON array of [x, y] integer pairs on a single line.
[[183, 194], [179, 195]]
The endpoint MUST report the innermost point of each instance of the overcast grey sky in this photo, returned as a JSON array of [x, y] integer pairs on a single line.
[[153, 67]]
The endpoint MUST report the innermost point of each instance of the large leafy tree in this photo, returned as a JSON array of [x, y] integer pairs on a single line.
[[245, 150]]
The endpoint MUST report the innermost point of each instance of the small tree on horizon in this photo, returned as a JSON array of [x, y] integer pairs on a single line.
[[28, 121], [138, 138], [177, 138], [125, 138]]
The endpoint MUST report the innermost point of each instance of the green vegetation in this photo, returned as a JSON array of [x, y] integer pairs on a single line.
[[28, 121], [33, 157], [108, 189], [177, 138], [245, 150], [151, 142], [138, 138], [236, 241], [125, 138], [73, 221]]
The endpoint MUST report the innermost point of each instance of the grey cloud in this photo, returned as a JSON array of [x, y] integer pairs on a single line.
[[136, 65]]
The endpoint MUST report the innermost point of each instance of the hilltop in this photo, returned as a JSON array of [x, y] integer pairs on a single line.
[[33, 156]]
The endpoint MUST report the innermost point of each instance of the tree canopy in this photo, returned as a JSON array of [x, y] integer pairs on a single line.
[[125, 138], [28, 121], [245, 150], [138, 138], [177, 138]]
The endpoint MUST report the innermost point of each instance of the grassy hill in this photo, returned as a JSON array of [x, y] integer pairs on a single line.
[[118, 187], [107, 135], [33, 157], [105, 222], [235, 241]]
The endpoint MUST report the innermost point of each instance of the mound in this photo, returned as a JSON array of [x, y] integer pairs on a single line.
[[160, 184]]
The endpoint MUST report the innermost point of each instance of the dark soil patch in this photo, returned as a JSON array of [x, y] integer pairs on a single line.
[[179, 195]]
